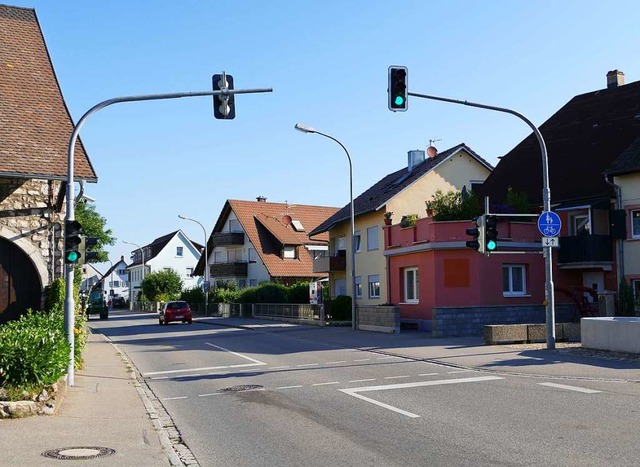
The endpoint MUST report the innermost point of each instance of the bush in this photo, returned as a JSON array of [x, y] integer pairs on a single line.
[[454, 206], [299, 292], [33, 350], [267, 292], [54, 295], [193, 295], [626, 306], [166, 283], [340, 308]]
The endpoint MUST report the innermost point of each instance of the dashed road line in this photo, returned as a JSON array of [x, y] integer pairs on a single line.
[[362, 359], [570, 388], [278, 367], [325, 384], [397, 377], [361, 380], [290, 387], [308, 364], [333, 363]]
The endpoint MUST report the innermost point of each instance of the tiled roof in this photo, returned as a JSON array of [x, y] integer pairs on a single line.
[[583, 140], [629, 160], [268, 229], [35, 124], [155, 247], [381, 192]]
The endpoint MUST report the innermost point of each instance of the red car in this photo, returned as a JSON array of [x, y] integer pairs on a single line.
[[175, 311]]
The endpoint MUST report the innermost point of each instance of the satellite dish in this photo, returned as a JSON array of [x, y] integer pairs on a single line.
[[432, 151], [286, 219]]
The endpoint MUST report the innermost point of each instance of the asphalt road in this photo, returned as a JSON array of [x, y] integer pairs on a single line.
[[279, 395]]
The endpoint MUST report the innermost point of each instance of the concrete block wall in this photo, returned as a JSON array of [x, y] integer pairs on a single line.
[[470, 321], [379, 318]]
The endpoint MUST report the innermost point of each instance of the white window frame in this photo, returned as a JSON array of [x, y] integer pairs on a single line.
[[289, 252], [577, 218], [411, 281], [340, 245], [179, 251], [234, 225], [510, 292], [635, 226], [372, 238], [373, 286], [358, 286], [357, 240]]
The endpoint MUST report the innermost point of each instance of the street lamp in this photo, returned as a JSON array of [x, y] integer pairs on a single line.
[[307, 129], [206, 264], [143, 267]]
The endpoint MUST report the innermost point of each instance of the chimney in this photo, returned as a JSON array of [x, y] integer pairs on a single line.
[[615, 79], [414, 158], [261, 199], [122, 258]]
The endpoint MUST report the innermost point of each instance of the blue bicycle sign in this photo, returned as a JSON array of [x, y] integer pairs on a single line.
[[549, 224]]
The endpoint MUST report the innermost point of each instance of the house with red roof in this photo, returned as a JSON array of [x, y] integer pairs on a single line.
[[259, 241], [35, 127]]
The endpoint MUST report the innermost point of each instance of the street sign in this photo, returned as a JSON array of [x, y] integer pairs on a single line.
[[549, 224], [206, 285], [551, 241]]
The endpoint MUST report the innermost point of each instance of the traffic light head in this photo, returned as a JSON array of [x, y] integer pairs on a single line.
[[478, 235], [398, 88], [72, 240], [491, 233], [88, 243], [224, 105]]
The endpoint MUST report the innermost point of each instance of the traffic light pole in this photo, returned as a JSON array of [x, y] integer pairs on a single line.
[[546, 201], [69, 302]]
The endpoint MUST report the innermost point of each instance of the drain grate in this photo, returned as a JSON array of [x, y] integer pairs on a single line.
[[242, 387], [78, 453]]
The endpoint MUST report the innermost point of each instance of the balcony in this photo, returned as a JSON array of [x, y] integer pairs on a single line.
[[237, 269], [585, 250], [330, 264], [228, 238]]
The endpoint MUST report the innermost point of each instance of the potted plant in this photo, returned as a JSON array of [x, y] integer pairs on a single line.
[[409, 220], [387, 217]]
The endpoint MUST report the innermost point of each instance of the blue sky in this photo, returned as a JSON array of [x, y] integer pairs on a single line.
[[327, 63]]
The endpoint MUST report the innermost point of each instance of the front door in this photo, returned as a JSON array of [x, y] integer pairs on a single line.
[[19, 282]]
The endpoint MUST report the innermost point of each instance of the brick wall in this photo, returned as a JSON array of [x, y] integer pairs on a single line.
[[379, 318]]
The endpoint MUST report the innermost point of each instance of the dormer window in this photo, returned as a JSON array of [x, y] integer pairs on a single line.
[[297, 226], [289, 252]]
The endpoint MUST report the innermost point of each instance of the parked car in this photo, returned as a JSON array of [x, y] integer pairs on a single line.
[[118, 302], [175, 311]]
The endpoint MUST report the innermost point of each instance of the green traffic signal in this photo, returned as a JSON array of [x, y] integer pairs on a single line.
[[399, 100], [398, 88], [72, 257], [491, 245]]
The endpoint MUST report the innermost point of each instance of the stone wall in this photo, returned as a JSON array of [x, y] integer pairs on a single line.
[[379, 318], [27, 214], [470, 321]]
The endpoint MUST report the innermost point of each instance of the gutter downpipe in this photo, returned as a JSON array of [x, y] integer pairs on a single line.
[[620, 252]]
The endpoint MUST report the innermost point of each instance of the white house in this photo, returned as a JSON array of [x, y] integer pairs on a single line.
[[90, 277], [172, 251], [116, 280]]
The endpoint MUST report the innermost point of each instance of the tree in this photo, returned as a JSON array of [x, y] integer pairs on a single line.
[[161, 285], [93, 225]]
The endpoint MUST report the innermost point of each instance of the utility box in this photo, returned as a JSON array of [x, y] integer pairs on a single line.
[[607, 303]]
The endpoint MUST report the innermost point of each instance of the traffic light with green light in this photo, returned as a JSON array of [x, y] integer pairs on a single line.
[[398, 88], [72, 241], [224, 105], [491, 233], [478, 235]]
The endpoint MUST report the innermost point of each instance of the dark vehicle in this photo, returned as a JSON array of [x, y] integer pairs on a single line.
[[97, 305], [118, 302], [175, 311]]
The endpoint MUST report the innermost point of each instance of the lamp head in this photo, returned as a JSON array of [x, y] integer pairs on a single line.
[[304, 128]]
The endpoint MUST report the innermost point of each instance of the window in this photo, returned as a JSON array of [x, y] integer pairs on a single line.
[[179, 251], [359, 287], [189, 272], [253, 282], [234, 256], [242, 283], [356, 239], [635, 223], [341, 246], [580, 224], [289, 252], [340, 287], [252, 255], [411, 285], [374, 286], [372, 238], [513, 280], [234, 225], [217, 257], [116, 283]]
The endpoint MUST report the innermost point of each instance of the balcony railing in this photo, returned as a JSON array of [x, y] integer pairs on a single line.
[[585, 249], [228, 238], [330, 264], [237, 269]]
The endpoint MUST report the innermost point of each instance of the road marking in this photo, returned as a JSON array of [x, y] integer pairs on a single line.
[[308, 364], [361, 380], [362, 359], [211, 394], [570, 388], [331, 363], [257, 362], [278, 367], [187, 370], [174, 398], [324, 384], [355, 392], [289, 387], [427, 374], [397, 377], [386, 358]]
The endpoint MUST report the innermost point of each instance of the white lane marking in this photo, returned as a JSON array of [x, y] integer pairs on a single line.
[[289, 387], [397, 377], [174, 398], [308, 364], [570, 388], [427, 374], [278, 367], [355, 391], [386, 358], [362, 359], [187, 370], [361, 380], [324, 384], [341, 361], [258, 362], [211, 394]]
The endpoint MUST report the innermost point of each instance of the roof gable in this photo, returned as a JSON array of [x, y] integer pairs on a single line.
[[35, 124]]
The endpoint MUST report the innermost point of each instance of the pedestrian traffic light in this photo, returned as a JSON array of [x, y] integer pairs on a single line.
[[478, 235], [224, 105], [491, 233], [72, 240], [398, 88], [87, 244]]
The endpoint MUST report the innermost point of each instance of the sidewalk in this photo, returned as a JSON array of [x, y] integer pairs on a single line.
[[104, 409]]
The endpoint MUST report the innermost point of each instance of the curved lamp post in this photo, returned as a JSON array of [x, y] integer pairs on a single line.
[[306, 129], [143, 266], [206, 265]]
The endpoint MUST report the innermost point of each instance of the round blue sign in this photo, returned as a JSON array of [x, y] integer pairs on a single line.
[[549, 224]]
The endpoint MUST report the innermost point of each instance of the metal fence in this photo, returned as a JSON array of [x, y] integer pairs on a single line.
[[281, 311]]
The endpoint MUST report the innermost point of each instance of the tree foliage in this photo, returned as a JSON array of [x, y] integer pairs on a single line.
[[93, 225], [162, 285]]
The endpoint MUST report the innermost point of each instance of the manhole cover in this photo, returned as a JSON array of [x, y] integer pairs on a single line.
[[78, 453], [242, 387]]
